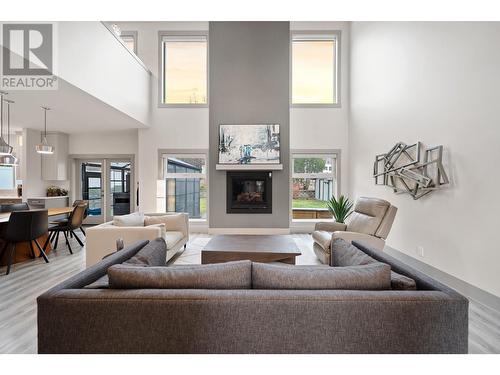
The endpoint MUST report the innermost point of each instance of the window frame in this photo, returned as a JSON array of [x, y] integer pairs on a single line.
[[336, 153], [131, 34], [164, 154], [161, 70], [337, 61]]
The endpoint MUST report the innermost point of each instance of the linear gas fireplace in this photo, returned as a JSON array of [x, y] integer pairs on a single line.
[[249, 192]]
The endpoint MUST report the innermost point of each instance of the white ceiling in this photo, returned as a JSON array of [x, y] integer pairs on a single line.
[[73, 111]]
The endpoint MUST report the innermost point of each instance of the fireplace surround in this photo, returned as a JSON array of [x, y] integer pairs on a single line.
[[249, 192]]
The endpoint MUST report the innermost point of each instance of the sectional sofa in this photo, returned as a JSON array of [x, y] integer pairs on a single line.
[[130, 302]]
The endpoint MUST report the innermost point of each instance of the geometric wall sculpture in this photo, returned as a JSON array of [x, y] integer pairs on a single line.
[[408, 169]]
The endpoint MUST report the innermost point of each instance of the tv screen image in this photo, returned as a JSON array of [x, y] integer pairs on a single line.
[[249, 144]]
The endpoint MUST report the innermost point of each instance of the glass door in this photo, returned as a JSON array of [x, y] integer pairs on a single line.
[[92, 189], [119, 187]]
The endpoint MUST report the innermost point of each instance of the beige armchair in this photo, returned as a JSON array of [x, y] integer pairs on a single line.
[[370, 222]]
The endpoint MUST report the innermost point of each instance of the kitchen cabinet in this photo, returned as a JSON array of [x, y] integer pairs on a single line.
[[55, 166]]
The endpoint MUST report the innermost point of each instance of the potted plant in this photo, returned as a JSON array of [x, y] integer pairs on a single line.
[[340, 208]]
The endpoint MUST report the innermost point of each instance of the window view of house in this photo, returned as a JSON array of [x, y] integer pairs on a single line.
[[7, 175], [184, 70], [314, 66], [313, 184], [186, 185]]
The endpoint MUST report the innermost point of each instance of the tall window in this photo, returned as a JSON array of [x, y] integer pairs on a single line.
[[314, 69], [129, 38], [184, 69], [314, 181], [186, 184], [7, 177]]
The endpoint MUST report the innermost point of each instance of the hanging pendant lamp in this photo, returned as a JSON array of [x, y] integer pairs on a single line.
[[44, 147], [8, 160], [5, 148]]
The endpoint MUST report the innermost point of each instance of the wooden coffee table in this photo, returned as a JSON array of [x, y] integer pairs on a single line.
[[265, 249]]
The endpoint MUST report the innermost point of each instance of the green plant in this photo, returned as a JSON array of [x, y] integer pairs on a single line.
[[340, 208]]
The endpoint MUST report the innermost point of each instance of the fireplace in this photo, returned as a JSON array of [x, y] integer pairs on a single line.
[[249, 192]]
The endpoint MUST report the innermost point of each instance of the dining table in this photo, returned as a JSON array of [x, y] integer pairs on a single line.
[[23, 251]]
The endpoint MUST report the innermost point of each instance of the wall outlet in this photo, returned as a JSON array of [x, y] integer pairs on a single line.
[[420, 251]]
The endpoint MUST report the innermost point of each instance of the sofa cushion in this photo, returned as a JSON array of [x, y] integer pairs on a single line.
[[153, 254], [171, 238], [100, 283], [322, 238], [376, 276], [231, 275], [135, 219], [401, 282], [345, 254], [172, 222]]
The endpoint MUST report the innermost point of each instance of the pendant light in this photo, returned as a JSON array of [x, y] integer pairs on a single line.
[[5, 148], [44, 147], [9, 160]]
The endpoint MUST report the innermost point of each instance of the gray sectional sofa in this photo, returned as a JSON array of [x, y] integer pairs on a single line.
[[248, 308]]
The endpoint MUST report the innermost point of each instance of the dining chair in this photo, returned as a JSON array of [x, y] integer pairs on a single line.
[[25, 226], [65, 220], [68, 227]]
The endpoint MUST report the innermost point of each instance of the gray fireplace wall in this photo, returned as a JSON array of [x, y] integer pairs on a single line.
[[249, 78]]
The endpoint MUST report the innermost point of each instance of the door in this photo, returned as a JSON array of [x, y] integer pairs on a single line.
[[92, 189], [119, 187], [108, 186]]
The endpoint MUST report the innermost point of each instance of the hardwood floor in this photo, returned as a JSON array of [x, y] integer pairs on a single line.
[[18, 292]]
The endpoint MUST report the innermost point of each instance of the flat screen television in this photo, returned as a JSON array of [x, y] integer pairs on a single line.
[[249, 144]]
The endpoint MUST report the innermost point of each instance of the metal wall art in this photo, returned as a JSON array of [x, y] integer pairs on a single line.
[[403, 169]]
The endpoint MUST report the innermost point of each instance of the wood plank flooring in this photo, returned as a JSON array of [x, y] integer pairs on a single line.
[[18, 292]]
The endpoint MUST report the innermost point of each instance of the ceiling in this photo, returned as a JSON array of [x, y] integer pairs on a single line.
[[72, 111]]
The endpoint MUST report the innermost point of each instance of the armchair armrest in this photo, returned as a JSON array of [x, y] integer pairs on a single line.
[[330, 226], [373, 241]]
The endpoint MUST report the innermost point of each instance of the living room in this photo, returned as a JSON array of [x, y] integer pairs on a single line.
[[259, 171]]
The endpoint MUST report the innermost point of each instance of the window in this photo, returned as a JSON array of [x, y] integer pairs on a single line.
[[185, 184], [184, 70], [314, 181], [7, 177], [129, 38], [315, 68]]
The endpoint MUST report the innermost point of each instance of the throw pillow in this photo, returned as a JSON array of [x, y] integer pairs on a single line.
[[153, 254], [345, 254], [135, 219], [376, 276], [230, 275]]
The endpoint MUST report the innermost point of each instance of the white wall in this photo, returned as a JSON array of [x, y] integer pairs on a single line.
[[170, 128], [325, 128], [436, 83], [90, 58], [103, 143]]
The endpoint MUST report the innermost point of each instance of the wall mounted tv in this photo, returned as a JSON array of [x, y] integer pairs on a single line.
[[249, 144]]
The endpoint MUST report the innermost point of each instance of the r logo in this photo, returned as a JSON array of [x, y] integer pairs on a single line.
[[27, 49]]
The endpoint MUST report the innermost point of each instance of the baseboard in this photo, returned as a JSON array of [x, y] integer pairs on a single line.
[[468, 290], [254, 231]]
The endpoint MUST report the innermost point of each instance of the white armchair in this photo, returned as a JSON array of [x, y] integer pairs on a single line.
[[370, 222], [101, 239]]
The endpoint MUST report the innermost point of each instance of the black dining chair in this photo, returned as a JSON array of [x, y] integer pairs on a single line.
[[85, 214], [14, 207], [68, 227], [25, 226]]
